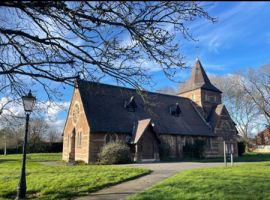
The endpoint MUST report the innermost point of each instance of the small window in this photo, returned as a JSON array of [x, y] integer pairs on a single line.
[[130, 105], [110, 138], [266, 138], [188, 140], [206, 96], [207, 143], [215, 98], [79, 139], [193, 96], [68, 141]]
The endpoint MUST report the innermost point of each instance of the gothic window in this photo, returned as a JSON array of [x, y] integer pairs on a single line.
[[79, 139], [206, 96], [215, 98], [68, 141], [207, 143], [75, 113], [225, 129], [110, 138], [188, 140], [193, 96]]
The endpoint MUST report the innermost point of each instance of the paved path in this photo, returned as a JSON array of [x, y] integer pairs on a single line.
[[161, 171]]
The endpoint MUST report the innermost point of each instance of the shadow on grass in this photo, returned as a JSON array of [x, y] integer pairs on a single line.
[[8, 160], [70, 193]]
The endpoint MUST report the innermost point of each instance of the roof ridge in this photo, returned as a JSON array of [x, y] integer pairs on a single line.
[[134, 89]]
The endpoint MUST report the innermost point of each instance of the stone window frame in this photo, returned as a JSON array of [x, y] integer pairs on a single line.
[[68, 138], [105, 137], [193, 97], [76, 103], [206, 143], [186, 140], [79, 139], [225, 122]]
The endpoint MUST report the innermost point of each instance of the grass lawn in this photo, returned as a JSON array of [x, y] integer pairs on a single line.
[[245, 181], [247, 157], [59, 182]]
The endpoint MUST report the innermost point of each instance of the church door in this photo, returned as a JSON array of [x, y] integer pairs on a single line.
[[147, 148], [72, 146]]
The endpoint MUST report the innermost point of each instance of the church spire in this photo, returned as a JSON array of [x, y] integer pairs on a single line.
[[198, 79]]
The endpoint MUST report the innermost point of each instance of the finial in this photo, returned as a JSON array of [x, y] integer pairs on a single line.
[[197, 50]]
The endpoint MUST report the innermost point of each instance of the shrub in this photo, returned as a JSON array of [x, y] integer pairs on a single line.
[[114, 153], [199, 148], [80, 162], [164, 150], [241, 148], [195, 150]]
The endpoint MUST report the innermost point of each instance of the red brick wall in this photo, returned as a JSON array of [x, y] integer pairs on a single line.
[[260, 138], [98, 140], [230, 139], [81, 153]]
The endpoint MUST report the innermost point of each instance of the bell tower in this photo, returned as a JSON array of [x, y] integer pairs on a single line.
[[200, 90]]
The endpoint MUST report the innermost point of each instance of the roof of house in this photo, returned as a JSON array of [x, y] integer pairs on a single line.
[[139, 129], [214, 115], [104, 107], [198, 79]]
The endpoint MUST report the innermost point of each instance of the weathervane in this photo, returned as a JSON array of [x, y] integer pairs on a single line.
[[197, 50]]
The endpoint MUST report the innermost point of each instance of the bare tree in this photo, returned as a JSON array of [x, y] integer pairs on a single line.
[[38, 128], [242, 109], [58, 41], [166, 90], [256, 83]]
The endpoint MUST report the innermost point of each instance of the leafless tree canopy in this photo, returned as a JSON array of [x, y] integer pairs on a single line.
[[57, 41]]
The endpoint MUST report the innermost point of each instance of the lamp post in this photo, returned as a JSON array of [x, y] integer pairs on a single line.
[[28, 104]]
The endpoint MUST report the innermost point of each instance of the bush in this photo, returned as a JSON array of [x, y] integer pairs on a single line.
[[164, 150], [115, 153], [241, 148], [195, 150]]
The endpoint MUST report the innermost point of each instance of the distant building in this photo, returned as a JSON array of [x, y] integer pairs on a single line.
[[100, 113], [263, 137]]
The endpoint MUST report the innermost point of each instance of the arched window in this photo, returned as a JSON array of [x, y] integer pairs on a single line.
[[207, 143], [206, 96], [188, 140], [79, 139], [110, 138], [68, 141], [193, 97]]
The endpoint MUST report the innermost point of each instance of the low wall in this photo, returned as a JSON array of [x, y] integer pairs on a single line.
[[262, 150]]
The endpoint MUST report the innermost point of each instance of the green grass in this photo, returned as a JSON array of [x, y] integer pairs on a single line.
[[244, 181], [59, 182], [247, 157]]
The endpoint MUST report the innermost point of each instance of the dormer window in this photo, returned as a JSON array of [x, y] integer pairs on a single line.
[[175, 110], [130, 105]]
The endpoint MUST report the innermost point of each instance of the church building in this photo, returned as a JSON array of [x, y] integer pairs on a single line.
[[100, 113]]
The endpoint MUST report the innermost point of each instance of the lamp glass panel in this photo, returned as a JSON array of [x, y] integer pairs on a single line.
[[28, 103]]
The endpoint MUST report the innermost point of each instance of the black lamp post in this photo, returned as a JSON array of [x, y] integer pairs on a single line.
[[28, 104]]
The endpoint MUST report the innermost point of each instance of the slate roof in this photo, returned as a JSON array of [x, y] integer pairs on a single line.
[[214, 115], [198, 79], [104, 108]]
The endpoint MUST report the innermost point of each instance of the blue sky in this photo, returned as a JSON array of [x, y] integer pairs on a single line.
[[240, 39]]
